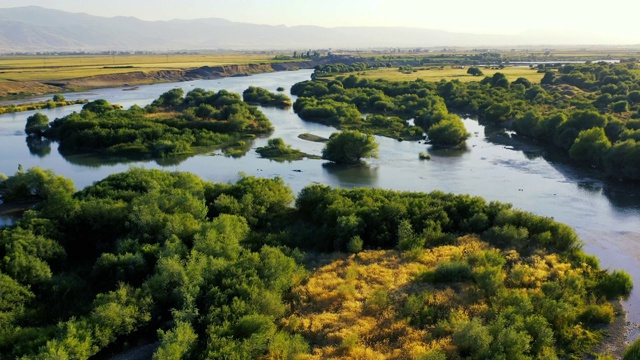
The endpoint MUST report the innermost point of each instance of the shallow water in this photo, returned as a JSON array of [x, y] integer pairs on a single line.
[[495, 165]]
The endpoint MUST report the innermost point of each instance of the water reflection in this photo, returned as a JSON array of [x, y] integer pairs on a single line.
[[353, 175], [448, 152], [6, 220], [620, 194], [38, 146]]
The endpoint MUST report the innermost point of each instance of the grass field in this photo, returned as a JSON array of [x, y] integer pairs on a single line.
[[448, 73], [46, 68]]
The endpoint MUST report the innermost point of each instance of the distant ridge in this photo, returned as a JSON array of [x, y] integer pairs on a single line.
[[32, 29]]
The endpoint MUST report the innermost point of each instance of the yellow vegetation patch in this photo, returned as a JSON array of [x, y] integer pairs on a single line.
[[350, 307], [448, 73], [387, 304]]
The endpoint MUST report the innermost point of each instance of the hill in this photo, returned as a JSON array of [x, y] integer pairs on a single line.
[[33, 29]]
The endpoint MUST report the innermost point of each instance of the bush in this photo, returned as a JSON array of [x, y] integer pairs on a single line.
[[616, 284], [452, 271], [598, 314], [472, 339], [354, 245], [378, 301], [633, 351]]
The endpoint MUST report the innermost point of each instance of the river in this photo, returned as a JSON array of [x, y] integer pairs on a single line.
[[496, 165]]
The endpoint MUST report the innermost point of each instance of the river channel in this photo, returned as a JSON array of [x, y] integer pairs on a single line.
[[496, 165]]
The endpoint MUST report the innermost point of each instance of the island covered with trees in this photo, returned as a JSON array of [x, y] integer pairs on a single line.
[[173, 124], [264, 97], [247, 270], [389, 105]]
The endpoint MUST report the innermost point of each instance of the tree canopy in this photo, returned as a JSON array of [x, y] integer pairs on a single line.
[[37, 124], [211, 270], [475, 71], [350, 147], [170, 125]]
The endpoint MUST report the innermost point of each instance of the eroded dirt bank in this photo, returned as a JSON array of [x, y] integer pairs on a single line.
[[24, 89]]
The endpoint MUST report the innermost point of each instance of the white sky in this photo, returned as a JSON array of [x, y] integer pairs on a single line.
[[619, 19]]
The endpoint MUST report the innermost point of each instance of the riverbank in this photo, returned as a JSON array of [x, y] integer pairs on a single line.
[[127, 78]]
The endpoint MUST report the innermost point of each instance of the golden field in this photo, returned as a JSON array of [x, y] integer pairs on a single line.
[[47, 68], [448, 73]]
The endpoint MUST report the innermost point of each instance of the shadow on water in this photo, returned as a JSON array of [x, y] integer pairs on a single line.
[[97, 161], [94, 160], [625, 195], [38, 146], [353, 175], [440, 151]]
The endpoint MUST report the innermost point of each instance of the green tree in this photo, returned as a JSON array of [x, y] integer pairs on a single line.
[[176, 343], [472, 339], [523, 81], [498, 112], [407, 239], [634, 97], [525, 124], [448, 132], [37, 124], [591, 145], [548, 78], [349, 147], [620, 106], [499, 80], [99, 106], [171, 98], [58, 98], [475, 71]]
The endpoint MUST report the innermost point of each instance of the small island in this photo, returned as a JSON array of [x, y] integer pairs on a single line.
[[277, 150], [312, 137], [258, 95], [58, 100], [173, 124]]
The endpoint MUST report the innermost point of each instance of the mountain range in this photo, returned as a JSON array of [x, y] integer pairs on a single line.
[[37, 29]]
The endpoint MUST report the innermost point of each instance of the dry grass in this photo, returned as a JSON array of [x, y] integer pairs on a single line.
[[351, 305], [360, 306], [448, 73], [47, 68]]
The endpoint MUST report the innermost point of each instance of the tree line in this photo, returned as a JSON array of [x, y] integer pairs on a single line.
[[591, 111]]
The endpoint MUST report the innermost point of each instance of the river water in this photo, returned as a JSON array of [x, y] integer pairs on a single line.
[[496, 165]]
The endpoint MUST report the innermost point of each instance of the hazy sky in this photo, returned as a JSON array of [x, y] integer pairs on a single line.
[[615, 18]]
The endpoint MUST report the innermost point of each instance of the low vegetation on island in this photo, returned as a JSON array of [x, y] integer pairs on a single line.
[[258, 95], [58, 100], [209, 270], [313, 138], [173, 124], [276, 149]]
